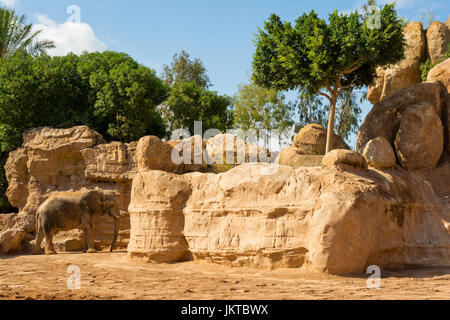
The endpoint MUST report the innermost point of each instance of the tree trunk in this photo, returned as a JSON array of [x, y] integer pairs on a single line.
[[330, 132]]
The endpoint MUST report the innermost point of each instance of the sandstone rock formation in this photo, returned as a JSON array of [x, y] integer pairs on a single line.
[[154, 154], [344, 159], [441, 74], [264, 215], [379, 153], [420, 139], [421, 45], [407, 72], [312, 139], [290, 156], [55, 160], [438, 39], [384, 118], [308, 147]]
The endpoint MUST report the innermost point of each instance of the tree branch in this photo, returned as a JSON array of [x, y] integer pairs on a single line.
[[347, 86], [325, 95], [353, 67]]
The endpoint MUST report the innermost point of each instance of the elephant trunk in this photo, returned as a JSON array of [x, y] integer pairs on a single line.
[[116, 232]]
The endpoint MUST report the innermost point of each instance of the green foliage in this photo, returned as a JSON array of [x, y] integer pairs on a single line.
[[16, 35], [184, 69], [124, 95], [315, 55], [428, 65], [425, 69], [107, 91], [255, 107], [189, 102]]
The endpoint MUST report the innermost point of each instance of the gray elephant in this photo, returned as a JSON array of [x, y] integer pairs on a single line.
[[74, 210]]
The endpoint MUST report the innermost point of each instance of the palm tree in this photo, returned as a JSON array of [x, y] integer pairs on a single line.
[[15, 36]]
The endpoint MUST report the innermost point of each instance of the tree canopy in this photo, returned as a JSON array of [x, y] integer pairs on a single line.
[[190, 98], [256, 107], [184, 69], [327, 58], [189, 102], [16, 35], [109, 91]]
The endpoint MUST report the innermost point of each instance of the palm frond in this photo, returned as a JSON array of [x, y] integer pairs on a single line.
[[16, 35]]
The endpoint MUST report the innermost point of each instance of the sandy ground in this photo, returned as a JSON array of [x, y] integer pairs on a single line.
[[114, 276]]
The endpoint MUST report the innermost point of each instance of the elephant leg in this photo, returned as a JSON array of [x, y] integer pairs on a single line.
[[49, 248], [38, 241], [89, 235], [85, 240], [39, 236]]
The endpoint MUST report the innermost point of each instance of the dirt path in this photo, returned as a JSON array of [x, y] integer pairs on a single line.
[[114, 276]]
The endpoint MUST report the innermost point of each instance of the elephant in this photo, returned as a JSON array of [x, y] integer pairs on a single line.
[[74, 210]]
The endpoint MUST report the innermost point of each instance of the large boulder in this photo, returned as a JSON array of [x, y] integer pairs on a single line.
[[384, 118], [407, 72], [230, 149], [379, 153], [441, 73], [420, 139], [438, 40], [344, 159], [312, 139], [270, 216], [154, 154], [290, 156]]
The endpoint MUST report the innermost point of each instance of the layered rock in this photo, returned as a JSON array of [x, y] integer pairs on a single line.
[[264, 215], [55, 160]]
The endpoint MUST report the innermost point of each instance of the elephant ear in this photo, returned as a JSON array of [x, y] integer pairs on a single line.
[[94, 201]]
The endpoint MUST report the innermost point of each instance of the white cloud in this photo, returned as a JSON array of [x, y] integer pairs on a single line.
[[8, 3], [68, 36]]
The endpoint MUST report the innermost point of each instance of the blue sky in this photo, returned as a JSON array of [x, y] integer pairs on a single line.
[[217, 32]]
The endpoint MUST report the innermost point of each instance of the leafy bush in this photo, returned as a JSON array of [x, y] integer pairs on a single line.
[[109, 92], [428, 65]]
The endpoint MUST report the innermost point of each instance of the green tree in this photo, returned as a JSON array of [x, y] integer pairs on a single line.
[[107, 91], [16, 35], [327, 58], [189, 102], [184, 69], [256, 107], [123, 95]]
